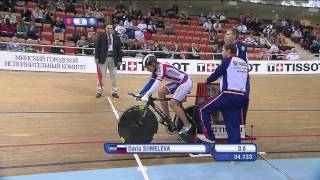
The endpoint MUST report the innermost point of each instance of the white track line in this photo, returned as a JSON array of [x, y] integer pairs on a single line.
[[141, 168], [113, 108], [261, 154]]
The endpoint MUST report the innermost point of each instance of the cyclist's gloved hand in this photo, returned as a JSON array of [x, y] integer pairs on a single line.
[[138, 98], [145, 98]]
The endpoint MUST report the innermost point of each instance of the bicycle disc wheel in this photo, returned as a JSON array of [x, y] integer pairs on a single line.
[[133, 128]]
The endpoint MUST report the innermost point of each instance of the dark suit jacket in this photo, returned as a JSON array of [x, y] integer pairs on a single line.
[[101, 50]]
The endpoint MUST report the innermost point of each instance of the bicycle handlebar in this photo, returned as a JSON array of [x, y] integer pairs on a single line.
[[150, 98]]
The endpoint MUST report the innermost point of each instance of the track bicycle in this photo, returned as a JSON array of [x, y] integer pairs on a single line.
[[139, 124]]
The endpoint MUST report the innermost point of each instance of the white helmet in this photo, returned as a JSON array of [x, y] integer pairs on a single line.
[[149, 59]]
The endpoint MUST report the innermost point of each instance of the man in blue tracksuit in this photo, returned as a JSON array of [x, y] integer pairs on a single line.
[[231, 101], [232, 37]]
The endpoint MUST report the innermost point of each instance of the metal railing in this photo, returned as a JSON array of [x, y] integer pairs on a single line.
[[24, 45]]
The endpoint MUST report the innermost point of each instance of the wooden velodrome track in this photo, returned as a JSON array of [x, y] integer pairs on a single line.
[[52, 122]]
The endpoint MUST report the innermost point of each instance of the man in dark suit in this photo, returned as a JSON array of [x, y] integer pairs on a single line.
[[108, 55]]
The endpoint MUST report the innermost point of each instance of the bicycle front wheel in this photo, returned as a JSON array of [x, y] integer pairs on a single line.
[[134, 127]]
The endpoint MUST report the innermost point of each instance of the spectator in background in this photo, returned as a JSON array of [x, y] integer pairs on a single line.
[[139, 35], [213, 38], [22, 30], [293, 55], [57, 50], [156, 47], [251, 41], [284, 42], [152, 28], [207, 26], [296, 35], [13, 46], [223, 18], [128, 24], [120, 29], [124, 41], [82, 42], [217, 28], [177, 55], [34, 32], [214, 15], [26, 14], [98, 14], [108, 20], [165, 50], [284, 23], [89, 12], [275, 51], [242, 28], [268, 30], [193, 52], [60, 6], [315, 46], [264, 42], [217, 52], [77, 36], [158, 22], [145, 48], [52, 5], [46, 19], [91, 44], [58, 26], [7, 29], [142, 26], [12, 18], [37, 15], [30, 48], [135, 46], [183, 18]]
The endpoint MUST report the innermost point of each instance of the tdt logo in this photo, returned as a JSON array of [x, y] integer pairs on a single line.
[[210, 67], [122, 67], [271, 67], [201, 67], [279, 67], [275, 67]]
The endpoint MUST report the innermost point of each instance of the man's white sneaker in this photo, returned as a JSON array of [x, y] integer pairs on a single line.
[[204, 139]]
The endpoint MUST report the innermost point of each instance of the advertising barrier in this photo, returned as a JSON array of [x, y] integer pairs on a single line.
[[86, 64]]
